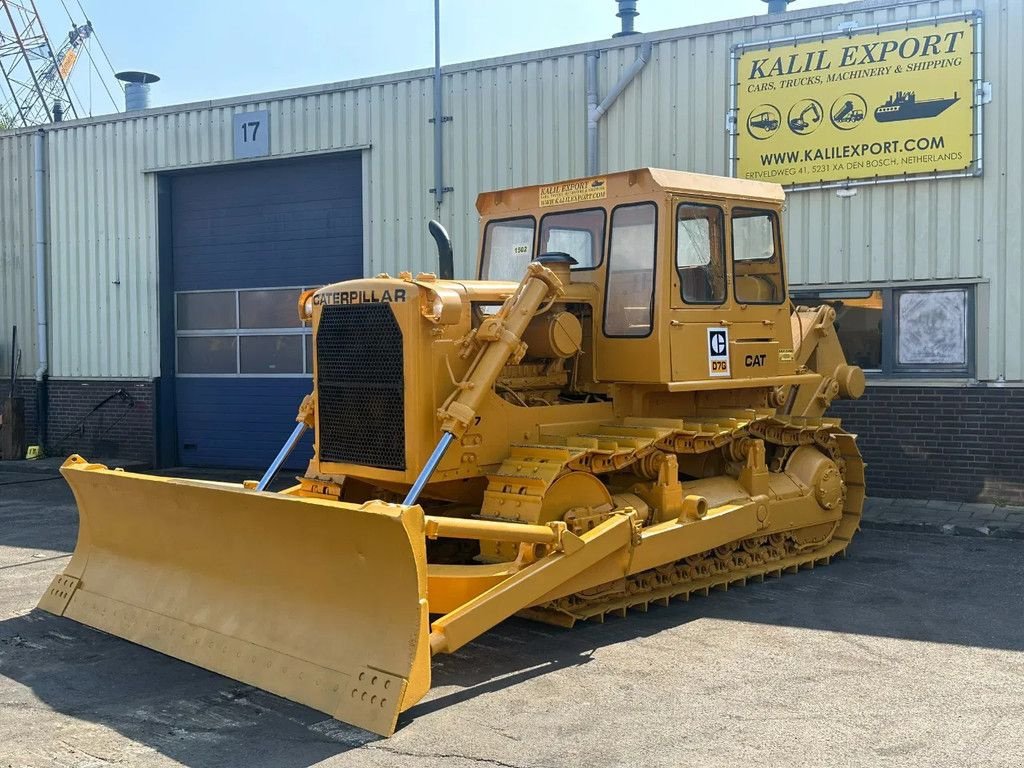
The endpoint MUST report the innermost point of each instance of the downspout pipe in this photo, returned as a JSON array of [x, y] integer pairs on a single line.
[[595, 110], [438, 110], [42, 335]]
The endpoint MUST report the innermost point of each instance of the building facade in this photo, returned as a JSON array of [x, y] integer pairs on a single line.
[[154, 222]]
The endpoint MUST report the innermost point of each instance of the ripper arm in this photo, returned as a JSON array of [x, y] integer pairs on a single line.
[[817, 349]]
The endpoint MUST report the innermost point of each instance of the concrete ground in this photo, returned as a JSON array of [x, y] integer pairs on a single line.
[[908, 653]]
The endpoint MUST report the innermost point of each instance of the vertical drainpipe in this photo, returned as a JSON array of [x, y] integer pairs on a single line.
[[591, 77], [596, 111], [42, 371], [438, 116]]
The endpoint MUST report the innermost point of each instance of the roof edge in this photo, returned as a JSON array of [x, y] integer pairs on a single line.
[[598, 46]]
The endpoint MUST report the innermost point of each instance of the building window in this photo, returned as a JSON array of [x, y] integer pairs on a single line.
[[903, 331], [253, 332], [577, 233], [757, 268], [700, 256], [931, 329], [629, 293], [508, 249], [208, 354]]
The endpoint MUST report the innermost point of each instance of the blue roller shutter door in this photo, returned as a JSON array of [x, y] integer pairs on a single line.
[[246, 240]]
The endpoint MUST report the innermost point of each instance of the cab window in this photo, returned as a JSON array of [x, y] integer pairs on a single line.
[[577, 233], [629, 296], [700, 255], [757, 268], [508, 248]]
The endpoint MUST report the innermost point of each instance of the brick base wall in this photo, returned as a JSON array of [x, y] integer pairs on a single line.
[[955, 443], [123, 427]]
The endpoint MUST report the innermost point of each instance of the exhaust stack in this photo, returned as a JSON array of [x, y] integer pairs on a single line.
[[136, 89], [627, 12]]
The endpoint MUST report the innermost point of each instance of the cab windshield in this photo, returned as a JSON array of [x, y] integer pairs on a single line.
[[508, 248], [577, 233]]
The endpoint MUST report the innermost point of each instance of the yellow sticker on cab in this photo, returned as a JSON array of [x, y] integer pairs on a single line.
[[573, 192]]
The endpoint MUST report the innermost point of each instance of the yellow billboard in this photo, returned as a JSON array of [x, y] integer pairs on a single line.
[[873, 104]]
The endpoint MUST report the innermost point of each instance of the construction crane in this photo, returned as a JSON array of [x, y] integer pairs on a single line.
[[36, 74]]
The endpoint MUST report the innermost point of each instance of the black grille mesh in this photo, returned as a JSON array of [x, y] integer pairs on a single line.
[[360, 386]]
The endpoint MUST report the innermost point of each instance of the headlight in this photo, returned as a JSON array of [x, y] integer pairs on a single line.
[[436, 308], [440, 304], [306, 305]]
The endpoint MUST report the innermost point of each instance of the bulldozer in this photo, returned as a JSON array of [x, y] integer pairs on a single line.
[[623, 408]]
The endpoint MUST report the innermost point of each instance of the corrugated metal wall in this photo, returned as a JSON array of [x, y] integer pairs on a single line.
[[930, 230], [521, 120], [17, 252]]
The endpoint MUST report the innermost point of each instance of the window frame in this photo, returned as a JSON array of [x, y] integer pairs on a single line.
[[301, 329], [722, 253], [891, 368], [608, 273], [931, 370], [483, 239], [604, 234], [777, 256]]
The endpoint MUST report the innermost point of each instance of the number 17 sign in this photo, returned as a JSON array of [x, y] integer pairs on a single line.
[[251, 134]]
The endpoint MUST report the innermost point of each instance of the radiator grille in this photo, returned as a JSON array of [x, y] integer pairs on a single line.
[[360, 386]]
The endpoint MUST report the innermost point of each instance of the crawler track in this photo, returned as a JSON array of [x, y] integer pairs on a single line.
[[530, 470]]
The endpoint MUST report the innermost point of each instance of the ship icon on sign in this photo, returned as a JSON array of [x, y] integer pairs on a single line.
[[903, 105]]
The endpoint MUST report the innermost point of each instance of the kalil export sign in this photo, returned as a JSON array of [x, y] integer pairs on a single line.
[[896, 101]]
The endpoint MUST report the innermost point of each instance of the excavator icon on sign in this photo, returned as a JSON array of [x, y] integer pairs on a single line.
[[805, 116]]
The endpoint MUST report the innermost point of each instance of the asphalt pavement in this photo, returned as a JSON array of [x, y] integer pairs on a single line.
[[908, 653]]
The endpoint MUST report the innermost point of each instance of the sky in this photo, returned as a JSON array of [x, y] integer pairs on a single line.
[[209, 49]]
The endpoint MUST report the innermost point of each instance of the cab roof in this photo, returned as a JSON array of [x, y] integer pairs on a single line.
[[609, 187]]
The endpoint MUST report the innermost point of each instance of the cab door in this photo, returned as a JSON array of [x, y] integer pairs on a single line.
[[730, 310], [761, 339], [699, 284]]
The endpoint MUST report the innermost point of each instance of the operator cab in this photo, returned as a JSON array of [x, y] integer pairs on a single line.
[[685, 270]]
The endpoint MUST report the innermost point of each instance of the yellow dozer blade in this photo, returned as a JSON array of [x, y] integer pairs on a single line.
[[320, 602]]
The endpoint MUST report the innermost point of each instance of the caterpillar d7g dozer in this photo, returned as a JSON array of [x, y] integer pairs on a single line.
[[623, 409]]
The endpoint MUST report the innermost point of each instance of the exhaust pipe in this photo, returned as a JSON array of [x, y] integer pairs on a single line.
[[627, 12], [445, 260]]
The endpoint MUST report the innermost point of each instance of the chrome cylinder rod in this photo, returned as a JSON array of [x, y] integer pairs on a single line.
[[428, 468], [284, 453]]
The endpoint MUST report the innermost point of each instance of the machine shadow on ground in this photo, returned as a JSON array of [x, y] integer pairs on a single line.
[[893, 585], [181, 711]]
